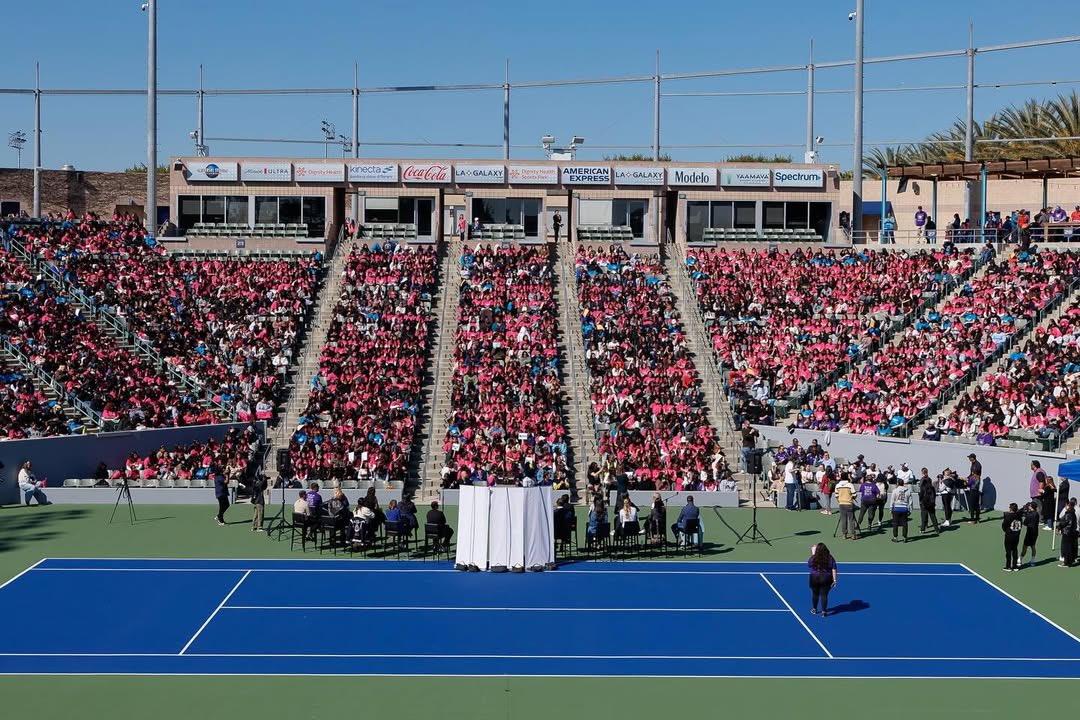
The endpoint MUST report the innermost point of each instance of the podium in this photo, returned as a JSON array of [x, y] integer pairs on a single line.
[[505, 528]]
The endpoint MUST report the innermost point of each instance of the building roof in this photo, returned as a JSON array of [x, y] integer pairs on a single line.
[[995, 169]]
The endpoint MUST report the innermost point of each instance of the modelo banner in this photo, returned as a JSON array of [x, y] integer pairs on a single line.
[[798, 178], [319, 172], [266, 172], [211, 172], [745, 177], [532, 175], [479, 174], [639, 176], [372, 172], [586, 175], [426, 173], [692, 176]]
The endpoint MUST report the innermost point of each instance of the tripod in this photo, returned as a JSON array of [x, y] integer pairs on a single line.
[[279, 523], [753, 533], [123, 492]]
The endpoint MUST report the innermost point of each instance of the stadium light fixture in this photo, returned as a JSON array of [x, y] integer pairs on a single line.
[[16, 140]]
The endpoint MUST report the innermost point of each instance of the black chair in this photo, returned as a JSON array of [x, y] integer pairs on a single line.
[[565, 532], [359, 536], [434, 542], [600, 541], [330, 532], [299, 528], [690, 538], [628, 538], [656, 534], [398, 535]]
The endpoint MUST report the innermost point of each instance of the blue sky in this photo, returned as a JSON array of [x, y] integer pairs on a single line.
[[274, 43]]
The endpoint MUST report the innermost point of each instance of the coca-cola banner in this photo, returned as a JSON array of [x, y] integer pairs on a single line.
[[532, 175], [426, 173], [266, 172], [318, 172], [372, 172], [692, 176], [627, 175], [586, 174], [473, 174]]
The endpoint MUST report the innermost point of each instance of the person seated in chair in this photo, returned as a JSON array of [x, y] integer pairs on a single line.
[[408, 513], [393, 512], [564, 519], [361, 528], [689, 512], [314, 500], [338, 507], [598, 525], [435, 516], [657, 519], [628, 517]]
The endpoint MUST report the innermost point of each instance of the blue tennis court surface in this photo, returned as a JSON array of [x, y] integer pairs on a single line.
[[350, 617]]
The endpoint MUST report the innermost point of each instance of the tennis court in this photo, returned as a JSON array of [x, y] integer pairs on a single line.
[[356, 617]]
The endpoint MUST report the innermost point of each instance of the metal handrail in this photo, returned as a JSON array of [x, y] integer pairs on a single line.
[[47, 379]]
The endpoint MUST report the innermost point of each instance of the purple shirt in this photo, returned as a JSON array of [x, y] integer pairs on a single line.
[[817, 572], [1035, 486], [314, 501], [920, 218]]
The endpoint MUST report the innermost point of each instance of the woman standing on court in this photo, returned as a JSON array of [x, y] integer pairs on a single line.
[[1067, 525], [822, 567], [1011, 524], [1031, 532]]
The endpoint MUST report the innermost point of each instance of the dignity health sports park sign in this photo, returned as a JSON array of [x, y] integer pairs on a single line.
[[532, 175], [319, 172], [479, 174]]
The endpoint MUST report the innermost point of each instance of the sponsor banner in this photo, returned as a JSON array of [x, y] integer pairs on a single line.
[[426, 173], [639, 176], [745, 177], [586, 174], [266, 172], [472, 174], [692, 176], [532, 175], [789, 177], [211, 171], [372, 172], [319, 172]]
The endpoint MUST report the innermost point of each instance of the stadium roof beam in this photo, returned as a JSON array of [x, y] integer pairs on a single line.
[[995, 169]]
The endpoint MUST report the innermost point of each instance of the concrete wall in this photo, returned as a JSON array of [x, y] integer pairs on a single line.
[[1009, 469], [60, 458], [80, 190]]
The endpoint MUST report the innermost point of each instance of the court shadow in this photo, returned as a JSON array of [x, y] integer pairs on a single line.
[[23, 525], [806, 533], [849, 607], [141, 521]]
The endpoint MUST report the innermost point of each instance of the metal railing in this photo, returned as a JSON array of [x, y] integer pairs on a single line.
[[45, 378]]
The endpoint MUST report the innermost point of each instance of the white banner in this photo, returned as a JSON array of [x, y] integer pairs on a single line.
[[586, 175], [532, 175], [789, 177], [641, 175], [372, 172], [479, 174], [319, 172], [426, 173], [266, 172], [745, 177], [692, 176], [211, 172]]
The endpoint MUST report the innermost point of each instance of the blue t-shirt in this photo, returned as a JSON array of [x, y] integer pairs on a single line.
[[818, 572]]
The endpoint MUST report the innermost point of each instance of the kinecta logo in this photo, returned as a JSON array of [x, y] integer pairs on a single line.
[[211, 171]]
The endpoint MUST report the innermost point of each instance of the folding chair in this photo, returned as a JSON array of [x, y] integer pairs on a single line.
[[299, 527], [690, 534], [434, 543], [627, 538]]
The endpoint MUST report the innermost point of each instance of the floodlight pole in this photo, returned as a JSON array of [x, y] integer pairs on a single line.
[[506, 112], [151, 118], [356, 133], [969, 121], [810, 104], [656, 112], [856, 174], [201, 148], [37, 140]]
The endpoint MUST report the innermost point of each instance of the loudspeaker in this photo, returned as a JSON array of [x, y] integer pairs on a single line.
[[284, 465], [753, 461]]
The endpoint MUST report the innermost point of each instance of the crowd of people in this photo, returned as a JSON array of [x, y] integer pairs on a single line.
[[1036, 388], [505, 423], [235, 456], [904, 379], [231, 326], [782, 322], [644, 388], [361, 415]]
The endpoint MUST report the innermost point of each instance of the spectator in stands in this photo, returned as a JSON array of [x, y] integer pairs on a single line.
[[30, 486], [436, 517], [920, 222], [556, 224]]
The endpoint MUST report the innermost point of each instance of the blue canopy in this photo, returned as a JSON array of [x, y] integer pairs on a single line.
[[1069, 470]]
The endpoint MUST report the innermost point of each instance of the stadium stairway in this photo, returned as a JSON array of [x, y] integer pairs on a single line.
[[10, 362], [576, 407], [1057, 308], [307, 360], [427, 458], [114, 327], [700, 347]]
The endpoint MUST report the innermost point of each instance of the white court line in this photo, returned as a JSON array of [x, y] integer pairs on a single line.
[[381, 608], [16, 577], [504, 676], [1020, 602], [414, 656], [805, 626], [433, 570], [216, 611], [379, 561]]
